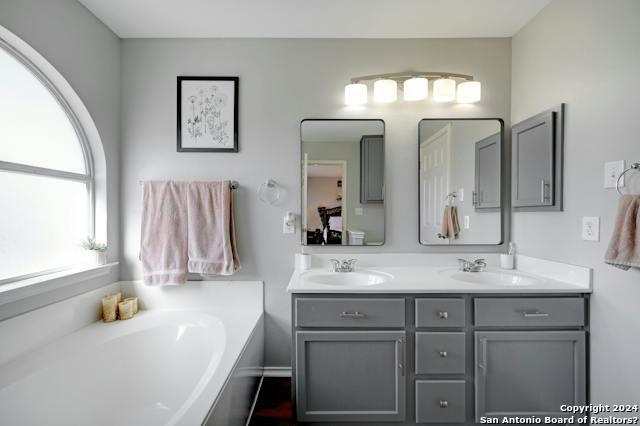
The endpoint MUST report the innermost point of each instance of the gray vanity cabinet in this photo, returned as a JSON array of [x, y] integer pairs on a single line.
[[372, 169], [350, 376], [486, 194], [437, 358], [537, 146], [523, 373]]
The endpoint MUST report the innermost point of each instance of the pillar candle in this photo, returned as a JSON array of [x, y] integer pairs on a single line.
[[133, 300], [109, 304], [125, 309]]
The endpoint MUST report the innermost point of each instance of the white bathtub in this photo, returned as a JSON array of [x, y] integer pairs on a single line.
[[163, 367]]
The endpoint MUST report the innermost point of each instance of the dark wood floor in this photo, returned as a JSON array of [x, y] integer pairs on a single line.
[[273, 407]]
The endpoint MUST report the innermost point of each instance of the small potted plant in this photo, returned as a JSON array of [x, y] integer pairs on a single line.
[[98, 249]]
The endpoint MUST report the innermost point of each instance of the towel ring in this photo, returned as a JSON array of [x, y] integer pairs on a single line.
[[634, 166], [269, 192]]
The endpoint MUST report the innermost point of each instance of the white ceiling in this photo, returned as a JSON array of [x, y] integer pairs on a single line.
[[315, 18]]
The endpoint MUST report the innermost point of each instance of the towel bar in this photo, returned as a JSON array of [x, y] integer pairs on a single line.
[[232, 184], [634, 166]]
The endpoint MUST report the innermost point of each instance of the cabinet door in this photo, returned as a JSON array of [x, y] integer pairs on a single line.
[[533, 143], [371, 169], [529, 373], [350, 376], [487, 186]]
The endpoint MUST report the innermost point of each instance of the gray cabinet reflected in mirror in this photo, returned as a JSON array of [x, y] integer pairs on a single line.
[[461, 186], [342, 168]]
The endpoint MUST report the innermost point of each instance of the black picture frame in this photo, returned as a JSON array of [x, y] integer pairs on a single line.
[[234, 137]]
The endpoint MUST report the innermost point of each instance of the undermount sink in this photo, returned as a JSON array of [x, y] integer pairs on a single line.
[[503, 278], [357, 278]]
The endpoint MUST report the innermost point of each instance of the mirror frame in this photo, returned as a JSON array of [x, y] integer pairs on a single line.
[[505, 193], [384, 189]]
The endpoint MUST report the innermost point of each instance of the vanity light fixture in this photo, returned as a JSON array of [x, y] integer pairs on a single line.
[[416, 89], [444, 90], [447, 87], [355, 94], [468, 92], [385, 90]]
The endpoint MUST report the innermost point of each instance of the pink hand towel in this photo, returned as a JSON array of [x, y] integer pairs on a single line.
[[163, 247], [624, 248], [212, 247]]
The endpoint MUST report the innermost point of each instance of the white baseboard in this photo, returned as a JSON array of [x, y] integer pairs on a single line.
[[277, 372]]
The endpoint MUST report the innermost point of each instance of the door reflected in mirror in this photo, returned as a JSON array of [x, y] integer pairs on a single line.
[[461, 187], [342, 182]]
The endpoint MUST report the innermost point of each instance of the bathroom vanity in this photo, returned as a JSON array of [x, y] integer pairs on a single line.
[[433, 345]]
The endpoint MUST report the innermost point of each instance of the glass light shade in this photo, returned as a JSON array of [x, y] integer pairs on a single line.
[[468, 92], [385, 91], [355, 94], [416, 89], [444, 90]]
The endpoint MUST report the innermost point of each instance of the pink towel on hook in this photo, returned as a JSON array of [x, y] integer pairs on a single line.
[[212, 246], [163, 245], [624, 249]]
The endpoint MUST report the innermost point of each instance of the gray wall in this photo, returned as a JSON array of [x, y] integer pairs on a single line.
[[87, 54], [586, 53], [282, 82]]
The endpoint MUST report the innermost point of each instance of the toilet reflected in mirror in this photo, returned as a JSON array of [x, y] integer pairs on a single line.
[[461, 184], [342, 182]]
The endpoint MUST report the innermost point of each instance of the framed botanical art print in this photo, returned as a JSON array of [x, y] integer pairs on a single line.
[[208, 114]]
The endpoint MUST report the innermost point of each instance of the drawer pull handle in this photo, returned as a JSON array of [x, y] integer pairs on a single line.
[[443, 315], [536, 314], [352, 315], [443, 354], [444, 404]]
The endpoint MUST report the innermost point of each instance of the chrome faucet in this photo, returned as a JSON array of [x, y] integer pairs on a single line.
[[477, 265], [347, 265]]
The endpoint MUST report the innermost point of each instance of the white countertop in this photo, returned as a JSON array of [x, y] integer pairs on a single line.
[[551, 277]]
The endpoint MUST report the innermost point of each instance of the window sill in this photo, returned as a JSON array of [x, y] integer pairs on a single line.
[[22, 289]]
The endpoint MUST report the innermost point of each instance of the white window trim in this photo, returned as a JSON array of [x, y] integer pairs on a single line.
[[88, 177], [33, 286]]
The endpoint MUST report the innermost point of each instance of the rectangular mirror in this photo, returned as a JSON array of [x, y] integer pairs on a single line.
[[461, 184], [342, 182]]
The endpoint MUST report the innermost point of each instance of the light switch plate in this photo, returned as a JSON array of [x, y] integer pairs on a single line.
[[289, 223], [612, 170], [466, 222], [591, 228], [359, 211]]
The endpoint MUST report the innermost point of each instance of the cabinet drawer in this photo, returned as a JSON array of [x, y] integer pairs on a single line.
[[440, 401], [440, 353], [524, 312], [440, 313], [349, 312]]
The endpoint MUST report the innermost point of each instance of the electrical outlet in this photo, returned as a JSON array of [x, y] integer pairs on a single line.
[[612, 170], [359, 211], [591, 228]]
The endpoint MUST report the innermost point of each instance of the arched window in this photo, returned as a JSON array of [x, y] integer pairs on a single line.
[[46, 174]]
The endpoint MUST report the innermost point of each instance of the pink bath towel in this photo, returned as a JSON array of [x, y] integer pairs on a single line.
[[212, 247], [163, 245], [624, 249]]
